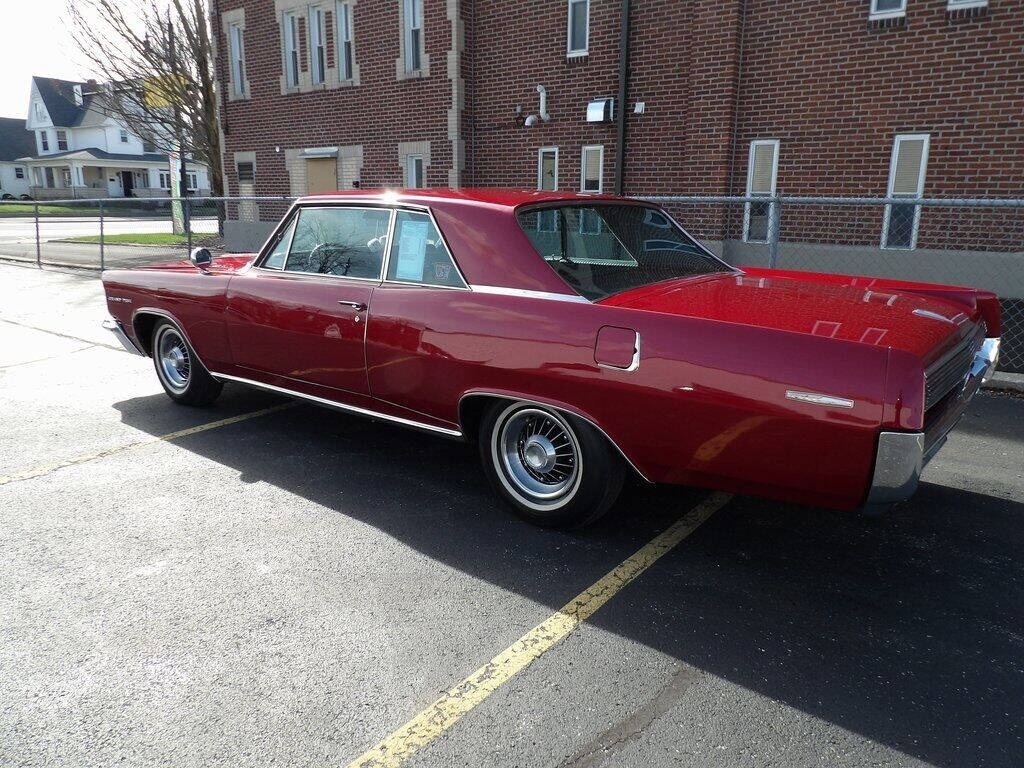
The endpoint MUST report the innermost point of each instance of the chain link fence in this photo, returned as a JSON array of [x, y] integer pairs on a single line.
[[977, 243]]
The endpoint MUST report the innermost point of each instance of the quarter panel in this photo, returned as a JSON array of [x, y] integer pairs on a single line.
[[706, 406]]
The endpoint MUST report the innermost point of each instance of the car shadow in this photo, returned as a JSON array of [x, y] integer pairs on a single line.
[[905, 628]]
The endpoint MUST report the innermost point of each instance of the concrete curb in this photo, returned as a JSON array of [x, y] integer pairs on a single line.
[[1005, 382]]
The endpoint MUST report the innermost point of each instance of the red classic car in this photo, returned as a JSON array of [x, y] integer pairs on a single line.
[[575, 338]]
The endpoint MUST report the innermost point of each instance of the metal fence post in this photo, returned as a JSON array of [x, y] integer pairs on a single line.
[[774, 222], [102, 254], [39, 254], [188, 224]]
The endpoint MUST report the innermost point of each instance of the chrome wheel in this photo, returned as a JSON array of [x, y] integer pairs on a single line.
[[175, 363], [537, 456]]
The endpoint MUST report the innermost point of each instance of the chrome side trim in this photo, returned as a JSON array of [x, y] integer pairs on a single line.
[[115, 328], [988, 356], [501, 290], [932, 315], [634, 363], [340, 406], [898, 465], [517, 398], [817, 399]]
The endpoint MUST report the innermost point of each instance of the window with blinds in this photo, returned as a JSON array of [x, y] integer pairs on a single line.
[[592, 168], [906, 179], [761, 172]]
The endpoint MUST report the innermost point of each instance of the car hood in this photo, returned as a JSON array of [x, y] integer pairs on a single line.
[[907, 321], [221, 265]]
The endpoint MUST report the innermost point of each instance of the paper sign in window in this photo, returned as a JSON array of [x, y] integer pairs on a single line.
[[412, 249]]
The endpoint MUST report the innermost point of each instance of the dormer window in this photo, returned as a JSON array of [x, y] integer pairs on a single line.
[[124, 136], [40, 111]]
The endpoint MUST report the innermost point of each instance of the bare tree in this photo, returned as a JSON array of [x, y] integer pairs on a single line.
[[158, 64]]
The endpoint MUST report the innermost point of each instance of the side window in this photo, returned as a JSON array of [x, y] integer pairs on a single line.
[[280, 250], [347, 242], [419, 255]]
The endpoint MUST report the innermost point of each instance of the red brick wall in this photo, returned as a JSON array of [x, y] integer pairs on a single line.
[[378, 114], [832, 87]]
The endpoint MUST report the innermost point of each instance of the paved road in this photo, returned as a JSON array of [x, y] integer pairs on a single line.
[[22, 229], [291, 588]]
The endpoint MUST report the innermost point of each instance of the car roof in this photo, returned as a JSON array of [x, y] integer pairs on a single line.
[[482, 196]]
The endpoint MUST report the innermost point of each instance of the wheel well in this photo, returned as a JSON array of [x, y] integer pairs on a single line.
[[143, 325], [471, 413], [473, 406]]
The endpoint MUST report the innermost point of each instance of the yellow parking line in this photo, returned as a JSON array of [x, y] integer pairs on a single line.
[[471, 691], [47, 468]]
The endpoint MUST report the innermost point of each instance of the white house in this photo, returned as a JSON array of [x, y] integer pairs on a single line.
[[82, 151], [15, 142]]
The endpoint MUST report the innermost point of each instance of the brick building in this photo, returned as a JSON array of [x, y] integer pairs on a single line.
[[837, 97]]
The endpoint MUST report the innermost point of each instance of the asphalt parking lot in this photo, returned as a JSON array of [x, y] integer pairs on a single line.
[[294, 586]]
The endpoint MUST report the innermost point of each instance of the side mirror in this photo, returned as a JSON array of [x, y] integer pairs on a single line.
[[201, 258]]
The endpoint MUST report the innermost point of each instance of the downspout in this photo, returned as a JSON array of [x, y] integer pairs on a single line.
[[620, 114]]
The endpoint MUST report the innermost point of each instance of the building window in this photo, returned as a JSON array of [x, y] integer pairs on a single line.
[[547, 179], [317, 53], [62, 140], [165, 180], [237, 60], [578, 34], [414, 171], [953, 5], [44, 141], [246, 173], [412, 20], [346, 54], [592, 168], [887, 9], [191, 181], [906, 179], [40, 111], [19, 172], [148, 146], [762, 169], [291, 50], [124, 136], [65, 177]]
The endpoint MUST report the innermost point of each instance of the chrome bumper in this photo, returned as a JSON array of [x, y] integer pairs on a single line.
[[901, 456], [115, 328]]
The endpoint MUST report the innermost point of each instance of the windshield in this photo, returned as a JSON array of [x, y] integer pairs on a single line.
[[607, 248]]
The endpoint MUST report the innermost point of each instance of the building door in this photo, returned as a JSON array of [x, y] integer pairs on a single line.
[[321, 175], [127, 183]]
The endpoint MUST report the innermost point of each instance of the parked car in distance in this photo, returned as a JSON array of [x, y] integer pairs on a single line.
[[575, 338]]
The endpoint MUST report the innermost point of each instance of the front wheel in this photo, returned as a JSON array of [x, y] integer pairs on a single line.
[[553, 469], [182, 376]]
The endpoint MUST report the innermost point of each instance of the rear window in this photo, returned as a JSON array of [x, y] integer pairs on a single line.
[[604, 248]]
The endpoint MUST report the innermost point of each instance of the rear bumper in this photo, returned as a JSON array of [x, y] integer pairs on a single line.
[[901, 456], [115, 328]]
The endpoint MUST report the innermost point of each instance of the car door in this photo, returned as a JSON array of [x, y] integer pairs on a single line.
[[300, 313]]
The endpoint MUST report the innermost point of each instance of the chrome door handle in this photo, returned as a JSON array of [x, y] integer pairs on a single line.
[[358, 306]]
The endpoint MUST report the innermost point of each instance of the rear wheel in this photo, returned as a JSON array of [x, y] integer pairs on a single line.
[[552, 468], [182, 376]]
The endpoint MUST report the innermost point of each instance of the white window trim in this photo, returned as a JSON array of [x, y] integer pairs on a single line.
[[66, 144], [570, 52], [540, 165], [345, 33], [956, 5], [875, 14], [750, 180], [316, 23], [290, 30], [236, 49], [44, 141], [600, 169], [410, 162], [901, 137], [409, 9]]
